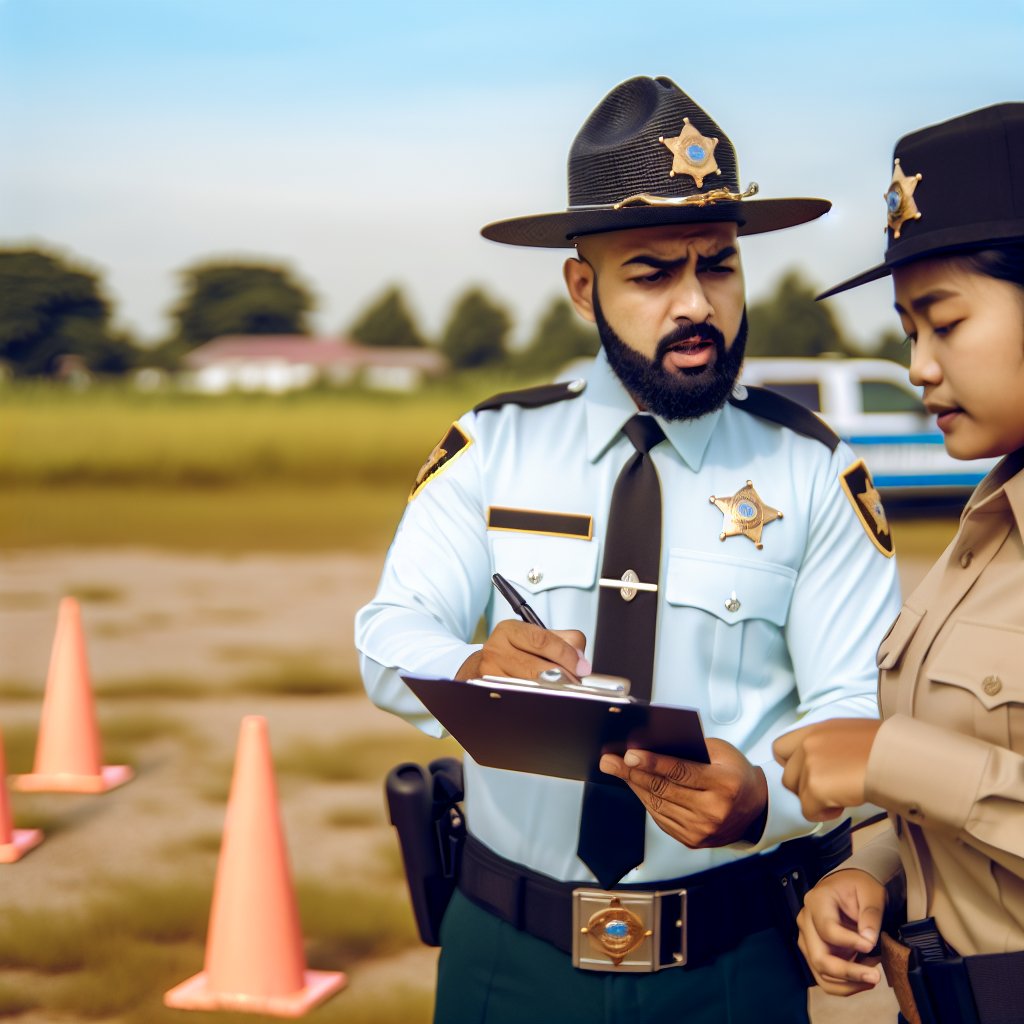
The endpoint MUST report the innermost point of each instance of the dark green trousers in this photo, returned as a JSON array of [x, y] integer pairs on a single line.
[[490, 973]]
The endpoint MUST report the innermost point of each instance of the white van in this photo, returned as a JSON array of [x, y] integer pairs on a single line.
[[873, 406]]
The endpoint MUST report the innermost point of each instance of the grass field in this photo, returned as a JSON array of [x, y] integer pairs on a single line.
[[318, 472]]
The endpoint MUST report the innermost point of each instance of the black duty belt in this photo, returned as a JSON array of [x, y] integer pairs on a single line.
[[987, 988], [684, 921]]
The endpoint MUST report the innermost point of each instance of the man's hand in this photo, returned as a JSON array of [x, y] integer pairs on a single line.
[[700, 805], [826, 764], [523, 650], [839, 923]]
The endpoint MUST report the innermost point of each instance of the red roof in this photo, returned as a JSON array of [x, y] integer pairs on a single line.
[[298, 348]]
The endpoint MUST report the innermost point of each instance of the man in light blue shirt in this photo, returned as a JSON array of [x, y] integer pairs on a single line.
[[775, 585]]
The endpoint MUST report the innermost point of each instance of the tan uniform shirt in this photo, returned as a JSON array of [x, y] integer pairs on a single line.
[[948, 761]]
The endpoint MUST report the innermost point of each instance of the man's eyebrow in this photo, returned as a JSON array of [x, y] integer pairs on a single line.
[[703, 262], [922, 302]]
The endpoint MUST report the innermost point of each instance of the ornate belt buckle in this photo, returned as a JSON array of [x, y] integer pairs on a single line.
[[622, 931]]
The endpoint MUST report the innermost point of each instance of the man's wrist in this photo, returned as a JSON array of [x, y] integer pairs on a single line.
[[755, 830]]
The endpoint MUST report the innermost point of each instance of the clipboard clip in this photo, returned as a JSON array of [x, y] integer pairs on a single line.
[[594, 685]]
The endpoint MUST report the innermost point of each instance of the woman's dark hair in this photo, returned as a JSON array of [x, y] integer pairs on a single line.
[[1003, 262]]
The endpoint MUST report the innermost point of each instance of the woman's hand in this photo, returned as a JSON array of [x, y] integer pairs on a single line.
[[826, 764], [840, 923]]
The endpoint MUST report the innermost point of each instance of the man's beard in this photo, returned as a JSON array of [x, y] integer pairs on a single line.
[[685, 394]]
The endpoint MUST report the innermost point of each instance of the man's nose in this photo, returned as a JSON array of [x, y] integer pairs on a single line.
[[689, 301]]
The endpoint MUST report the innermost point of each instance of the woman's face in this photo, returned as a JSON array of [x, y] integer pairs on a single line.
[[967, 336]]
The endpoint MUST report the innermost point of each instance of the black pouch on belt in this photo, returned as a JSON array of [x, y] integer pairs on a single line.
[[938, 977], [423, 805]]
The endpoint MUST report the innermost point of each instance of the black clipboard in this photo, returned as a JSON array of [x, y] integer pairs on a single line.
[[526, 727]]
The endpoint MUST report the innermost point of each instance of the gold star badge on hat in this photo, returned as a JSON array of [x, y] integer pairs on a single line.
[[693, 153], [899, 199], [745, 514]]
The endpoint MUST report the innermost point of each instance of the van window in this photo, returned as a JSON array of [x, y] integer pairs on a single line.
[[884, 396], [807, 393]]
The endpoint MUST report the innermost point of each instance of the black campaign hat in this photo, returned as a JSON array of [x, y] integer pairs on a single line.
[[649, 155], [956, 186]]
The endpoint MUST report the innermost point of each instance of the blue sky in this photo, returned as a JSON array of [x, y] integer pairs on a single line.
[[366, 143]]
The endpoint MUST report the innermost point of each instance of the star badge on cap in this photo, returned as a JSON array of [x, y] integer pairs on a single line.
[[745, 514], [899, 199], [693, 153]]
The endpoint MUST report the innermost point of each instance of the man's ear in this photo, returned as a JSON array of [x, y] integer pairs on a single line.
[[579, 280]]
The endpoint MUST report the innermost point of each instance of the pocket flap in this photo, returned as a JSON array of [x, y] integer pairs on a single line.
[[539, 562], [732, 589], [895, 642], [985, 659]]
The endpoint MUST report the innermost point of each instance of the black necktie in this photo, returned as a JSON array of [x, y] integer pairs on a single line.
[[612, 824]]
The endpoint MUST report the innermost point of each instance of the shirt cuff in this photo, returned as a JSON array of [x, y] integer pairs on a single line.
[[785, 820], [925, 773]]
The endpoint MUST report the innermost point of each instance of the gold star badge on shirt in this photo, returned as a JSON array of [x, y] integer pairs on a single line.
[[693, 153], [900, 205], [745, 514]]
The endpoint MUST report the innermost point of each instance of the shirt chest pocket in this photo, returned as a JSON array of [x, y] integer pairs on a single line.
[[977, 683], [537, 563], [748, 604]]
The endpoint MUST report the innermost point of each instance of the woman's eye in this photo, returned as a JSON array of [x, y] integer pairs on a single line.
[[944, 330]]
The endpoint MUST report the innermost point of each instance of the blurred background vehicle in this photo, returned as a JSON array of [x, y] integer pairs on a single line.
[[873, 406]]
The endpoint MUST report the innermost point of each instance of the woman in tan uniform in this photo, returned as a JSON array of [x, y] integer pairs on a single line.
[[947, 759]]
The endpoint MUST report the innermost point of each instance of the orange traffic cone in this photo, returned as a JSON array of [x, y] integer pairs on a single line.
[[14, 842], [254, 956], [68, 748]]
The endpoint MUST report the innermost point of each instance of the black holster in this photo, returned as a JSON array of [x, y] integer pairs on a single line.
[[423, 805], [938, 976]]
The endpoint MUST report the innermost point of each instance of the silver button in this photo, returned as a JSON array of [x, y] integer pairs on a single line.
[[535, 576], [739, 392], [965, 559], [992, 685], [577, 385], [627, 593], [733, 604]]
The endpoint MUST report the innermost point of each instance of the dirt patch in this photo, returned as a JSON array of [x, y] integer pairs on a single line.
[[213, 621]]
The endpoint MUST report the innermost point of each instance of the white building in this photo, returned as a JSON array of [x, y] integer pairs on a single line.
[[276, 363]]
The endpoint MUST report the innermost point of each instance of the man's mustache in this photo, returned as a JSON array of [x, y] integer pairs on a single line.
[[689, 332]]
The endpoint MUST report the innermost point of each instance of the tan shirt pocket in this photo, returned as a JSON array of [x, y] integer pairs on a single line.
[[976, 678]]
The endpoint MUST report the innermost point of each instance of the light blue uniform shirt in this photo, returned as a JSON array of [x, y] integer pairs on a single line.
[[755, 639]]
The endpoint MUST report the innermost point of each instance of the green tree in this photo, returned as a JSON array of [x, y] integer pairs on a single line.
[[239, 298], [791, 323], [893, 345], [560, 336], [476, 331], [50, 308], [387, 322]]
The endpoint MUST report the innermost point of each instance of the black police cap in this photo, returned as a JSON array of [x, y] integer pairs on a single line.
[[957, 186], [648, 155]]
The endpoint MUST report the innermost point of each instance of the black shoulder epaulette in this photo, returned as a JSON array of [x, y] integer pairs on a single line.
[[770, 405], [534, 398]]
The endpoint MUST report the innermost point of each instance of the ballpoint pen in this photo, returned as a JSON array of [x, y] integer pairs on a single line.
[[514, 598]]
